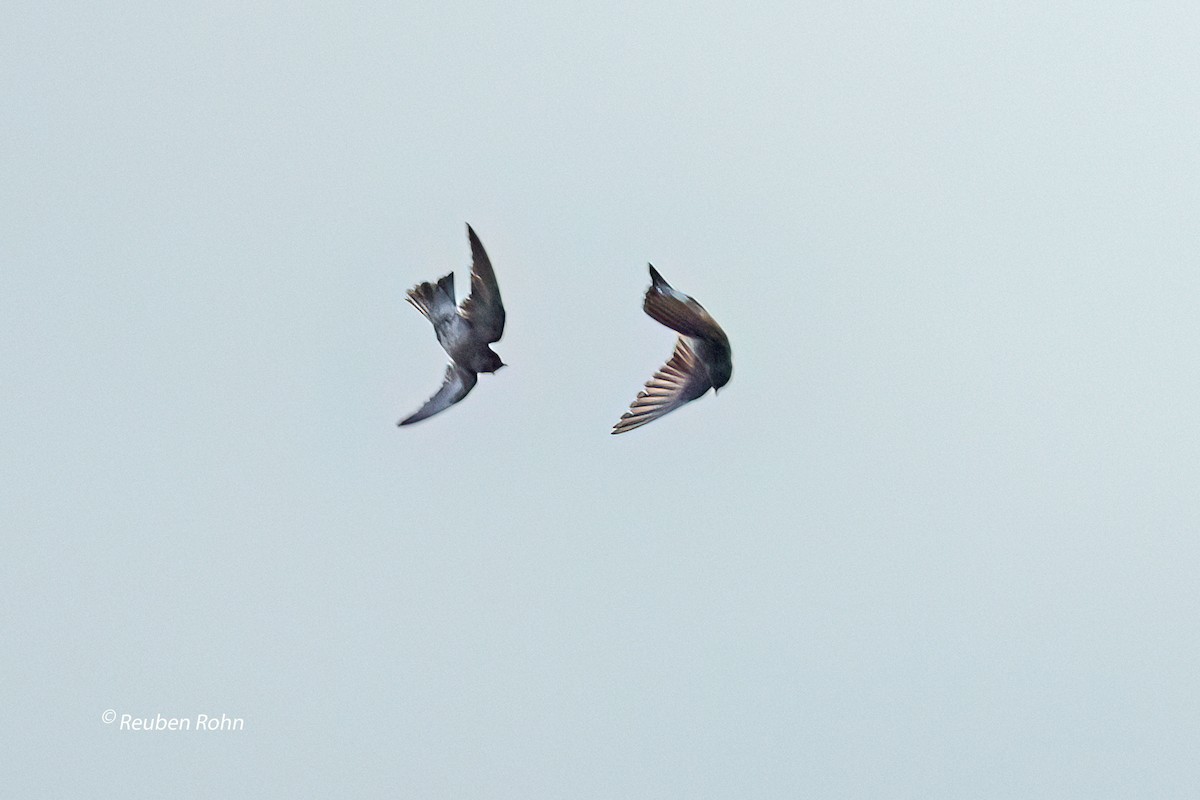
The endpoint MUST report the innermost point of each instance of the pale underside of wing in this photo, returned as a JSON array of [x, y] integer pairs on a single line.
[[457, 384], [680, 380], [483, 306]]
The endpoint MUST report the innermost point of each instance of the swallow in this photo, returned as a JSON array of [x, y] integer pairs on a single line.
[[463, 332], [702, 359]]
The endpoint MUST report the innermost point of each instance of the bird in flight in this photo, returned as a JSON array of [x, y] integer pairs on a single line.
[[464, 332], [701, 361]]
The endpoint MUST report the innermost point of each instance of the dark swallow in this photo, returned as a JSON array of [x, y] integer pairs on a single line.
[[701, 361], [465, 332]]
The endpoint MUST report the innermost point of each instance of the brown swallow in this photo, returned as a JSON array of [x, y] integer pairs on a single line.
[[465, 332], [701, 361]]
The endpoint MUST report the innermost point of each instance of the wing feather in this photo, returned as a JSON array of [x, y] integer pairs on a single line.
[[483, 306], [679, 381], [457, 385]]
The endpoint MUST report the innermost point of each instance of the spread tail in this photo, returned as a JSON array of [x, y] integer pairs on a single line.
[[426, 297]]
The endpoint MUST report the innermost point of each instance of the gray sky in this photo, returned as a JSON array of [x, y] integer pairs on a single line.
[[936, 539]]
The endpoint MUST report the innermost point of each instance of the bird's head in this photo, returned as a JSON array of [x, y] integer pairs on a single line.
[[492, 362]]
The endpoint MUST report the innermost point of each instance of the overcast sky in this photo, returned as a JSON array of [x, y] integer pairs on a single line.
[[937, 538]]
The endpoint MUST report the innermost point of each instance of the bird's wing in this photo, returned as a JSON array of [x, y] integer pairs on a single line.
[[679, 312], [483, 306], [680, 380], [456, 386]]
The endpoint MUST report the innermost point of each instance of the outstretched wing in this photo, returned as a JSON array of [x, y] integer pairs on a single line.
[[456, 386], [681, 380], [483, 306]]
